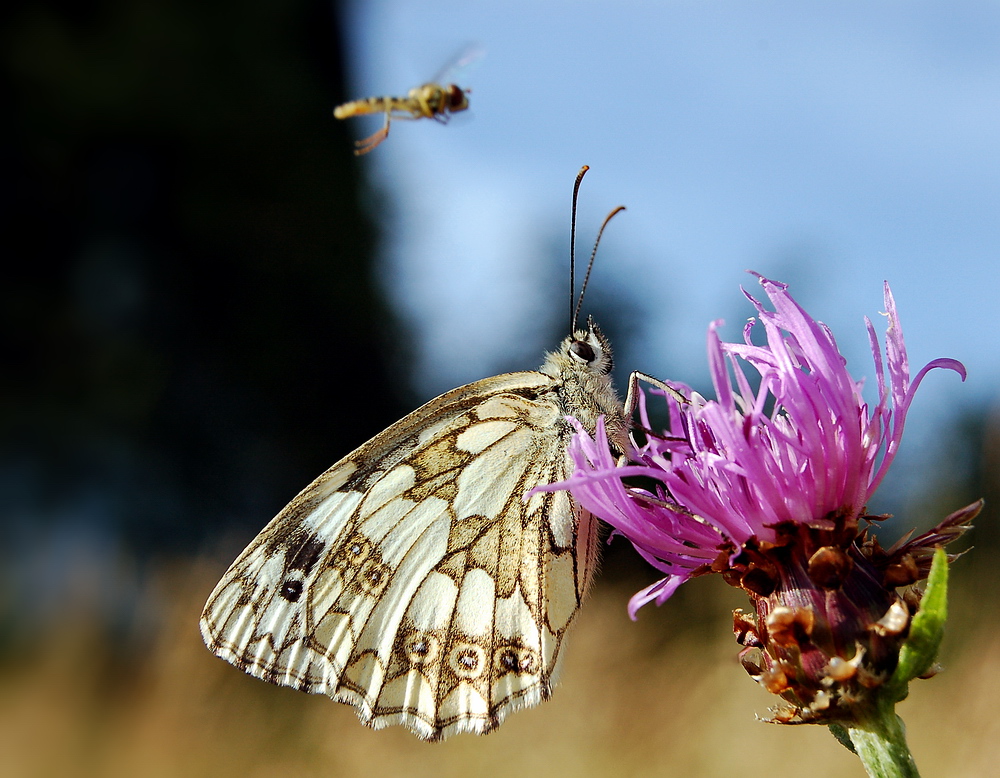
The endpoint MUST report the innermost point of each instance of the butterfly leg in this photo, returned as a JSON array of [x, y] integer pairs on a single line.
[[632, 397]]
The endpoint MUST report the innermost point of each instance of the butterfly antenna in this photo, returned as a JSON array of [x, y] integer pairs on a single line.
[[572, 250], [590, 264]]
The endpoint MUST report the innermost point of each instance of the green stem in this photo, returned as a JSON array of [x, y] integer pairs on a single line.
[[880, 743]]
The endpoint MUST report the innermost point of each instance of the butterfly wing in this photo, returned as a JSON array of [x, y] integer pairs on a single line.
[[412, 579]]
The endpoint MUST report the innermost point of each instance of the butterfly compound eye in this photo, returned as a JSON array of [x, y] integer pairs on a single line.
[[582, 351]]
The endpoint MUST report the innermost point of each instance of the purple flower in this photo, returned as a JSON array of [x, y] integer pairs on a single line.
[[768, 486]]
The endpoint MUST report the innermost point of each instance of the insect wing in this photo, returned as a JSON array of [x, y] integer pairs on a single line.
[[459, 67]]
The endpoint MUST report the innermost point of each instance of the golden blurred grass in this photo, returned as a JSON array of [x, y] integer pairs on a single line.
[[664, 696]]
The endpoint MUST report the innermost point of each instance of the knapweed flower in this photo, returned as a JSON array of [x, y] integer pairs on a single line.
[[767, 485]]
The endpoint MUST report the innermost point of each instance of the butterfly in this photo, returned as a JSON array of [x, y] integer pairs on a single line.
[[420, 579]]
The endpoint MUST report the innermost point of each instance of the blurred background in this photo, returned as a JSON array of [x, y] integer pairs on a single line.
[[207, 300]]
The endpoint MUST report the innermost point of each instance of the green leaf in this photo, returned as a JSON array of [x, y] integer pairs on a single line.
[[840, 732], [920, 649]]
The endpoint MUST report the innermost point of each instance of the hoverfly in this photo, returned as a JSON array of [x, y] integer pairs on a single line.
[[436, 99]]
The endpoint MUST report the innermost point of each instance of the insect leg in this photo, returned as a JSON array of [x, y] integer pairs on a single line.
[[367, 144], [632, 402], [632, 397]]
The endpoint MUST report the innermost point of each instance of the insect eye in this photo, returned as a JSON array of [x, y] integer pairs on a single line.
[[582, 351], [456, 97]]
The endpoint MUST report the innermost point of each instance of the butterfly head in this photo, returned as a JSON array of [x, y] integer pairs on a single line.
[[585, 355], [590, 350]]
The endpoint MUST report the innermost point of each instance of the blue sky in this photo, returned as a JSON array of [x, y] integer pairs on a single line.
[[829, 147]]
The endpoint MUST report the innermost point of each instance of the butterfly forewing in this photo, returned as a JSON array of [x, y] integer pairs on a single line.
[[417, 579]]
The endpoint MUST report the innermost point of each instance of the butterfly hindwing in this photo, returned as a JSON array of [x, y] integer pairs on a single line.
[[413, 579]]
